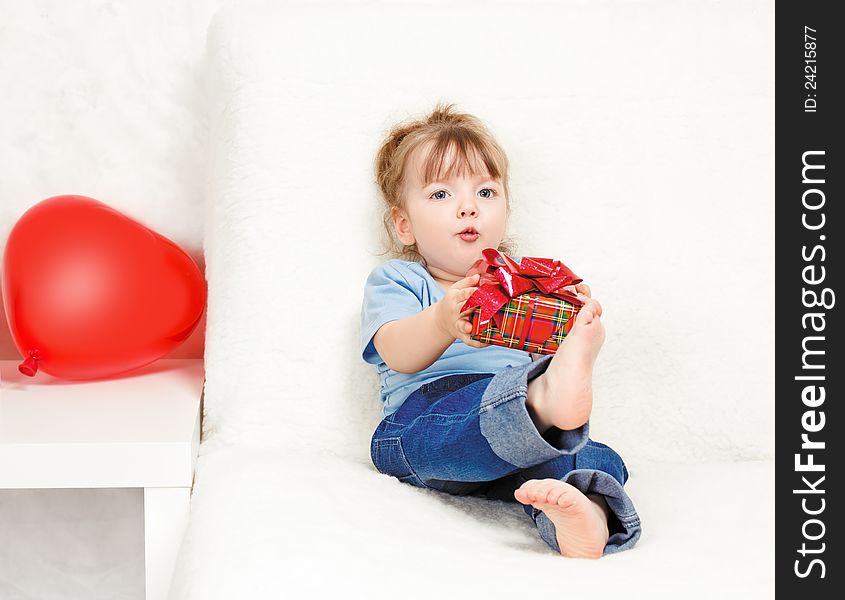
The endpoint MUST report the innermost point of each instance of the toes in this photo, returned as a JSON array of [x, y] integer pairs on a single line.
[[522, 494], [590, 303], [555, 495], [590, 310], [585, 316], [528, 491], [531, 490], [538, 491], [566, 500], [562, 495], [547, 491], [544, 488]]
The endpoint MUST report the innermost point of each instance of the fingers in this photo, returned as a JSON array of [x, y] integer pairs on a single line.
[[459, 325], [473, 343], [464, 326], [461, 297], [466, 281], [464, 329]]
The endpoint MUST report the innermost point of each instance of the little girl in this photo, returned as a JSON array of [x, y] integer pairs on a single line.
[[460, 416]]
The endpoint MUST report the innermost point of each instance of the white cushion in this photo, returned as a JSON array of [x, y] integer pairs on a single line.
[[627, 166], [642, 157], [266, 523]]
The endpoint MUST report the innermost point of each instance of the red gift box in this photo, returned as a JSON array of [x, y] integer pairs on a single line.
[[522, 306]]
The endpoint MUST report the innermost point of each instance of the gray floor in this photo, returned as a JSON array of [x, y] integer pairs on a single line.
[[69, 544]]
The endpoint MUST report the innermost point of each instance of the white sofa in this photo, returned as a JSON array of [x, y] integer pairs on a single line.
[[642, 156]]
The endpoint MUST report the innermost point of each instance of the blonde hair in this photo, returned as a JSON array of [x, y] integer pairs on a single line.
[[442, 130]]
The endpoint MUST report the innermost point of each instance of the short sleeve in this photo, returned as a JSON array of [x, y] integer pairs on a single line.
[[388, 296]]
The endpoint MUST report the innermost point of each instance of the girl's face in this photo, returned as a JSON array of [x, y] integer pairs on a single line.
[[437, 214]]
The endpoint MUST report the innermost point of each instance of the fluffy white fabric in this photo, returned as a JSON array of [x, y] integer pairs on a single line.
[[629, 163], [267, 522]]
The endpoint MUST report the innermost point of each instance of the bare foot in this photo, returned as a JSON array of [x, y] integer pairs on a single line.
[[580, 522], [563, 395]]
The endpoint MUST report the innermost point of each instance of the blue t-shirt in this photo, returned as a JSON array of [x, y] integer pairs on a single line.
[[397, 289]]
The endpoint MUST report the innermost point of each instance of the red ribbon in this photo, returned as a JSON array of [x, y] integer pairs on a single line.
[[502, 279]]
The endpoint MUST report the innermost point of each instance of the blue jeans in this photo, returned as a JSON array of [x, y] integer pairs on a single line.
[[471, 435]]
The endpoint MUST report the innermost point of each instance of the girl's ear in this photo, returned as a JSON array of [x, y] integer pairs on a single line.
[[402, 224]]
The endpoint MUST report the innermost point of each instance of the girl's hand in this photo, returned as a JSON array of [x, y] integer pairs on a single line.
[[451, 321]]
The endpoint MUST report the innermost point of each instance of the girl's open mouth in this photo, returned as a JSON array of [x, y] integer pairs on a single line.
[[469, 234]]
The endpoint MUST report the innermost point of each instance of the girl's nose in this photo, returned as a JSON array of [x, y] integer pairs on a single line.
[[468, 208]]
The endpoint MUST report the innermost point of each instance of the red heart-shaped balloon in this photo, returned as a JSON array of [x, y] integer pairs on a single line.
[[90, 292]]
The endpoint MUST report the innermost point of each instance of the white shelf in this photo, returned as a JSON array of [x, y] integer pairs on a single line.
[[139, 430]]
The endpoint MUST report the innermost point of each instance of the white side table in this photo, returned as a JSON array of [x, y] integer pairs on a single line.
[[141, 430]]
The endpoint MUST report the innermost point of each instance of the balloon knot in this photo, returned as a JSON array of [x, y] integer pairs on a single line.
[[29, 367]]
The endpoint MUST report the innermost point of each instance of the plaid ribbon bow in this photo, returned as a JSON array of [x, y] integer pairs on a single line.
[[502, 279]]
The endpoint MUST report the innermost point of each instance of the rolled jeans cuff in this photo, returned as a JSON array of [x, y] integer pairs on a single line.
[[503, 417], [590, 481]]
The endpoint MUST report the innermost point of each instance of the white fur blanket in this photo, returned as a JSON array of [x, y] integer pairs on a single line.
[[628, 164]]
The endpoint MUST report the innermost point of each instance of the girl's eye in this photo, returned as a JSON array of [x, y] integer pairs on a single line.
[[490, 192], [439, 195]]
